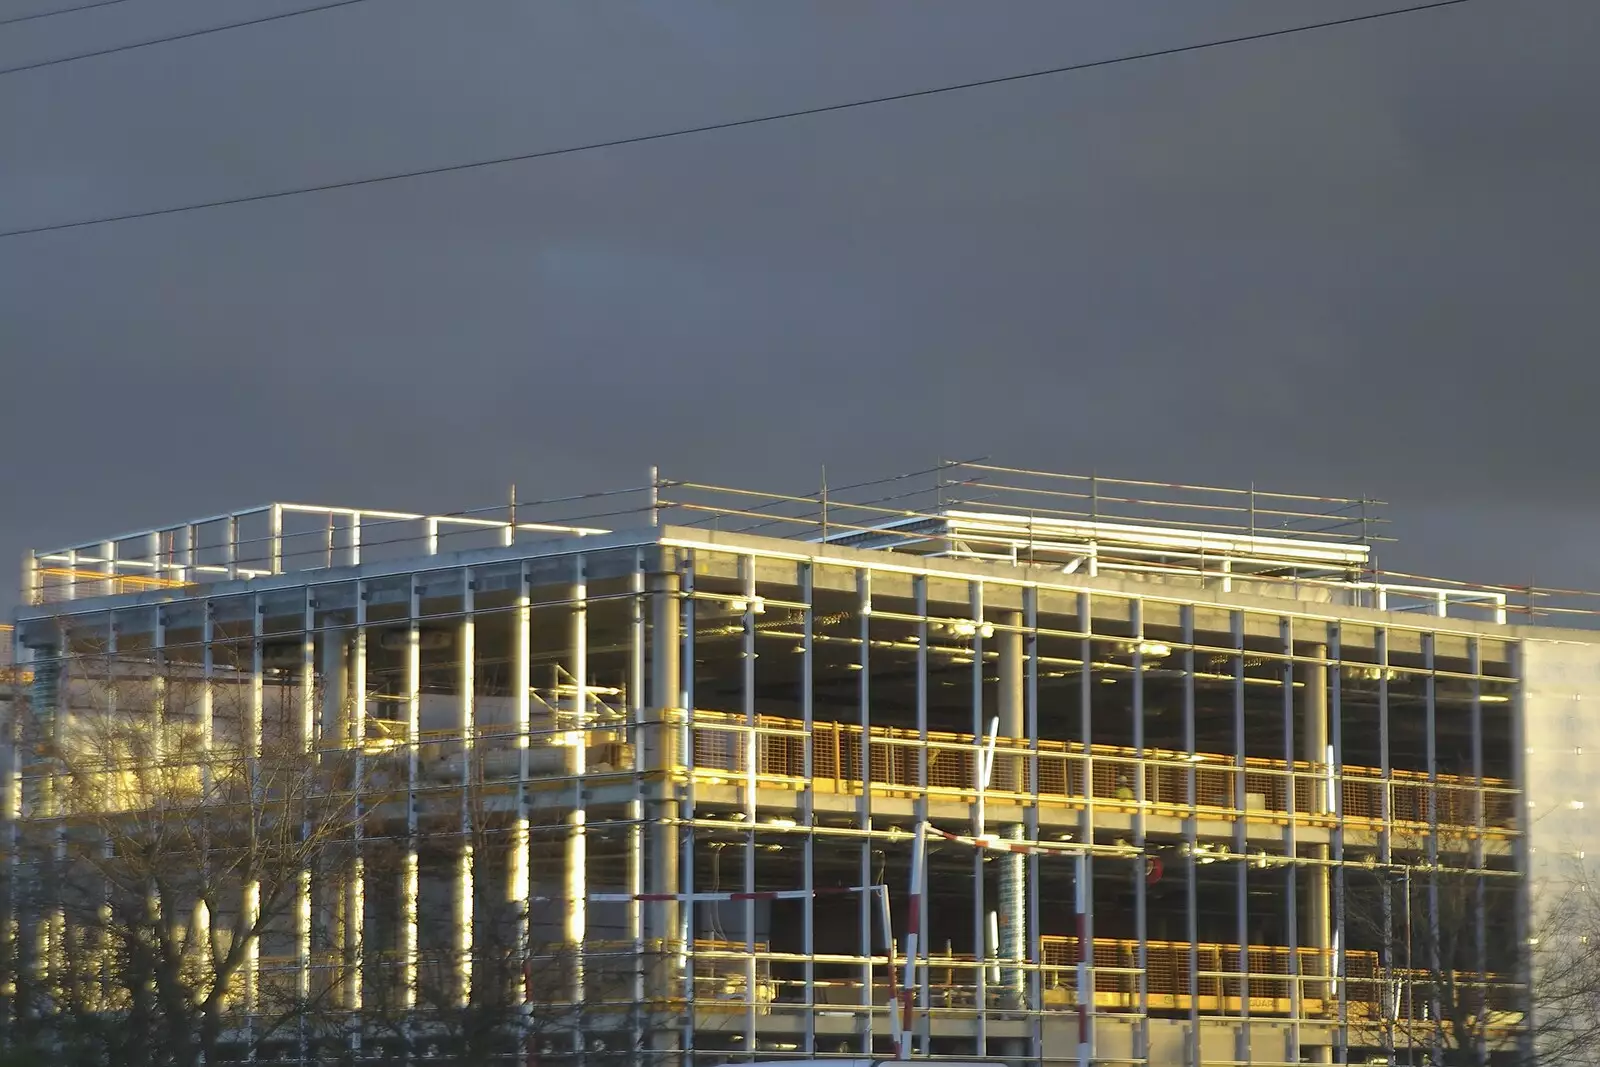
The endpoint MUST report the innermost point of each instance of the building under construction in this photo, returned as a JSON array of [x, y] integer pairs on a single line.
[[1003, 764]]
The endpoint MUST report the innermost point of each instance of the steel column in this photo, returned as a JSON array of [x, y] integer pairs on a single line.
[[1010, 777]]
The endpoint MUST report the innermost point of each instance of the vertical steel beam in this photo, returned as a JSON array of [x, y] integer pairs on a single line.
[[252, 746], [11, 812], [1138, 869], [250, 971], [1480, 910], [466, 725], [1034, 993], [864, 805], [637, 712], [1385, 767], [307, 743], [275, 539], [918, 915], [747, 702], [255, 711], [1522, 848], [1241, 841], [191, 553], [1335, 804], [521, 858], [577, 891], [1386, 825], [984, 949], [1291, 836], [1010, 777], [158, 638], [410, 920], [108, 567], [1083, 871], [683, 959], [308, 674], [356, 884], [1191, 836], [336, 660], [302, 953], [32, 584], [808, 802], [659, 739], [1435, 960], [1317, 752], [208, 696]]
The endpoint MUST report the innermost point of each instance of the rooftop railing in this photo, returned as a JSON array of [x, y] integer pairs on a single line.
[[1287, 544]]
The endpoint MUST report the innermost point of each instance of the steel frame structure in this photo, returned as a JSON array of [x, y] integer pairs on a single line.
[[634, 713]]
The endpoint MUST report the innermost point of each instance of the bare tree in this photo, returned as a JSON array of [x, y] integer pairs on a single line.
[[1460, 982], [173, 823], [200, 883], [513, 995], [1564, 964]]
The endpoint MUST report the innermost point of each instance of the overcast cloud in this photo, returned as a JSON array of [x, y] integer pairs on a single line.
[[1361, 260]]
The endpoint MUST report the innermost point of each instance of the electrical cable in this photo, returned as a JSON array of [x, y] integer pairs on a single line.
[[188, 35], [59, 11], [730, 124]]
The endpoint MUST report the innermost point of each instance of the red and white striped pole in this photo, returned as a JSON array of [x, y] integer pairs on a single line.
[[1080, 908], [908, 988], [1080, 901], [882, 893]]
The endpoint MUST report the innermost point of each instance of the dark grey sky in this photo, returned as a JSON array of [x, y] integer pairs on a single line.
[[1359, 260]]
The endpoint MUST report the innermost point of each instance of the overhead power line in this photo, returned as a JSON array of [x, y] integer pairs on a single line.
[[731, 124], [58, 60], [59, 11]]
